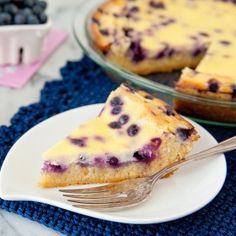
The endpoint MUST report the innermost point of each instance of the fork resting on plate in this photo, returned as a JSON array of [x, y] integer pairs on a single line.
[[132, 192]]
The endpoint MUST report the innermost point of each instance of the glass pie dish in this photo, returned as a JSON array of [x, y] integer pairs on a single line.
[[201, 109]]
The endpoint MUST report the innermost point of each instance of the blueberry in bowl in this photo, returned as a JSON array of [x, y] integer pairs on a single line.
[[26, 23]]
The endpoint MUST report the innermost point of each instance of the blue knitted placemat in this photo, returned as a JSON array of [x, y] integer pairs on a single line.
[[85, 83]]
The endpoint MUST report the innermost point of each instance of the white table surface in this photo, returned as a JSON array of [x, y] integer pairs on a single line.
[[62, 13]]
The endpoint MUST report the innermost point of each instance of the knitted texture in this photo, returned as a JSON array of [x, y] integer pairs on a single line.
[[85, 83]]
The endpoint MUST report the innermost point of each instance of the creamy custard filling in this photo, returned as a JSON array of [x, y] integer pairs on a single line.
[[145, 155]]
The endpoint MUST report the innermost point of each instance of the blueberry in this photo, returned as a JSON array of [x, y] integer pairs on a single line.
[[29, 3], [213, 85], [43, 18], [194, 37], [168, 22], [134, 9], [81, 142], [170, 52], [99, 161], [149, 97], [204, 34], [234, 91], [116, 101], [19, 19], [49, 167], [166, 52], [115, 125], [184, 133], [26, 11], [225, 42], [37, 10], [116, 110], [32, 20], [127, 31], [133, 130], [10, 8], [42, 4], [4, 1], [131, 11], [5, 19], [123, 119], [113, 161], [96, 21], [139, 156], [161, 54], [99, 138], [157, 5], [104, 32], [157, 142], [197, 51], [169, 111], [137, 52]]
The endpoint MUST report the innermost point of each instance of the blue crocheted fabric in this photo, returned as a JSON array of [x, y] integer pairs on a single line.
[[85, 83]]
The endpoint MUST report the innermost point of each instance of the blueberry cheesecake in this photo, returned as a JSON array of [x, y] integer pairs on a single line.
[[135, 135], [152, 36]]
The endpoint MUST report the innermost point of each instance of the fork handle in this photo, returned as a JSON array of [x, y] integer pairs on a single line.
[[225, 146]]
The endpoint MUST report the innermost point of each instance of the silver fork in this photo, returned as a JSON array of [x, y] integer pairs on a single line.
[[129, 193]]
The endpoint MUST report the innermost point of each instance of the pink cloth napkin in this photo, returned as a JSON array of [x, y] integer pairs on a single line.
[[16, 76]]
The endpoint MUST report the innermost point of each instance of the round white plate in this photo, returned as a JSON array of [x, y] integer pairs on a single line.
[[188, 190]]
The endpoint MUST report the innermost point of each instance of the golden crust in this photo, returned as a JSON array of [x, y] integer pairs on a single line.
[[209, 112]]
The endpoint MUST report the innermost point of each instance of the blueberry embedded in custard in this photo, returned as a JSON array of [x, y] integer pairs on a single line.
[[123, 119], [50, 167], [133, 130], [149, 151], [114, 125], [110, 148], [213, 85], [116, 101], [137, 51], [233, 91], [113, 161], [184, 133], [116, 110], [81, 142], [157, 4]]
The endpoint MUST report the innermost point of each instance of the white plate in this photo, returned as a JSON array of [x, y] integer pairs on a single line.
[[188, 190]]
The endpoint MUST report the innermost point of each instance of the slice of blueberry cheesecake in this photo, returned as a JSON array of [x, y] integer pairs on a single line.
[[207, 85], [135, 135]]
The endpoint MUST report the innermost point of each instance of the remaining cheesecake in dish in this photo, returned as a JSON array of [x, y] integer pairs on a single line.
[[135, 135], [210, 86], [164, 35], [207, 85]]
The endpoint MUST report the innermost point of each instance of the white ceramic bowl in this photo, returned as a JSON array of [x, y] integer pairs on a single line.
[[22, 43]]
